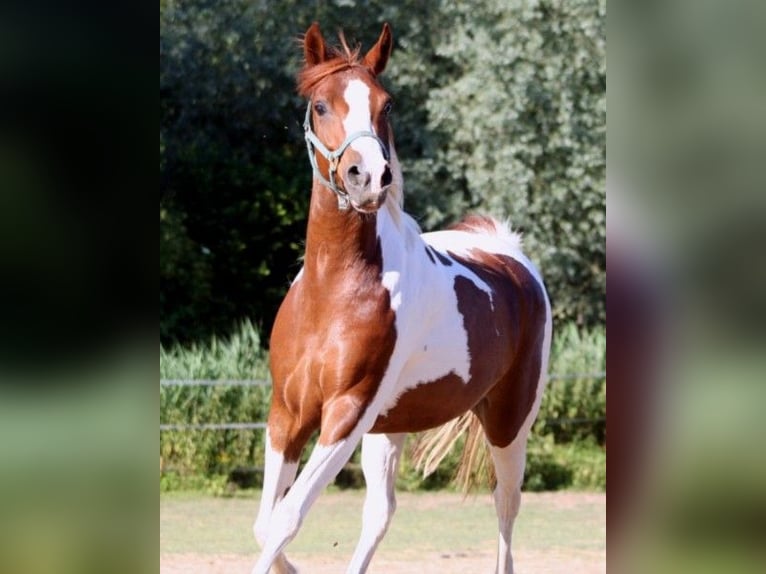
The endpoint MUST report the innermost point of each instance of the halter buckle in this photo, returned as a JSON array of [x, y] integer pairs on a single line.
[[343, 202]]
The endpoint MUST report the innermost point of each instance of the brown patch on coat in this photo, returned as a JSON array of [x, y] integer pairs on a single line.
[[444, 260], [505, 407], [475, 223], [505, 339]]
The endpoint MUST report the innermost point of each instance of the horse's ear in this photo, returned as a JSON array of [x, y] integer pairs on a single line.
[[314, 49], [377, 58]]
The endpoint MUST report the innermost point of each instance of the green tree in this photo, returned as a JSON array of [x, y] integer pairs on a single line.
[[232, 188], [520, 120]]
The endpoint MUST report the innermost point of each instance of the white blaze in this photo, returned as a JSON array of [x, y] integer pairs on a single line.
[[357, 96]]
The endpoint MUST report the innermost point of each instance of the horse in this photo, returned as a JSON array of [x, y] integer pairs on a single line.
[[386, 331]]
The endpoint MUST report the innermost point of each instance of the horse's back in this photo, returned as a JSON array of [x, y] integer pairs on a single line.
[[477, 236], [488, 248]]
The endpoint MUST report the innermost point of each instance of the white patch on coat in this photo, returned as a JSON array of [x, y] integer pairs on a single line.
[[432, 340], [462, 243]]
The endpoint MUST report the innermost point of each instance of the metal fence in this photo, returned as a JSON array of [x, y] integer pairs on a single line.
[[265, 383]]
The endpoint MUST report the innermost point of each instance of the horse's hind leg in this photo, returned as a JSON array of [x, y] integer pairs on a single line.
[[529, 372], [509, 464], [380, 463]]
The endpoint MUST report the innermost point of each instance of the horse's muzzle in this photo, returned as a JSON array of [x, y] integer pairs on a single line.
[[370, 203], [365, 194]]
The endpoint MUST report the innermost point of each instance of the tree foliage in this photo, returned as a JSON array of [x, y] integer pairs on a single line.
[[232, 199], [500, 107], [521, 125]]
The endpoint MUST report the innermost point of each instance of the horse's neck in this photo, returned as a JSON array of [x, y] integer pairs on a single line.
[[335, 238], [338, 240]]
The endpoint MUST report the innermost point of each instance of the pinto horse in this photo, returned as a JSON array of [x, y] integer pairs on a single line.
[[387, 331]]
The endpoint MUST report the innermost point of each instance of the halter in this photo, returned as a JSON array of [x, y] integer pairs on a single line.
[[333, 157]]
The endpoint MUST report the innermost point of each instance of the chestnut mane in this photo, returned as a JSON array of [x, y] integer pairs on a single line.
[[337, 58]]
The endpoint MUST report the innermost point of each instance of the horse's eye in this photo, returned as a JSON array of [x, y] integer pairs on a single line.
[[387, 108], [320, 108]]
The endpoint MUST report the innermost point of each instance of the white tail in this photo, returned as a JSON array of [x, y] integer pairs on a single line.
[[475, 466]]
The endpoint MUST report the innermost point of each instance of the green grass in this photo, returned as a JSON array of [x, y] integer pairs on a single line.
[[424, 522]]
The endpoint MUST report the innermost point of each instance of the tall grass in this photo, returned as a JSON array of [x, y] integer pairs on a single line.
[[576, 351], [560, 453], [238, 357], [213, 452]]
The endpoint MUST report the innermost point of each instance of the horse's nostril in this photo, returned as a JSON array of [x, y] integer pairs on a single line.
[[387, 178], [357, 177]]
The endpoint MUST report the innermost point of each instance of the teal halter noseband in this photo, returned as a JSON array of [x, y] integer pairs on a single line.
[[333, 157]]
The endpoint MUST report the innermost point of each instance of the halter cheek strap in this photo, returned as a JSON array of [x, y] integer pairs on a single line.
[[314, 145]]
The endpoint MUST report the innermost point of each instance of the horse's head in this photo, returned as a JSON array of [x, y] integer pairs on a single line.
[[347, 129]]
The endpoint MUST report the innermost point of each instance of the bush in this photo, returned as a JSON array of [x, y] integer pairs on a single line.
[[232, 194], [237, 357], [543, 472], [580, 399], [516, 113], [552, 466]]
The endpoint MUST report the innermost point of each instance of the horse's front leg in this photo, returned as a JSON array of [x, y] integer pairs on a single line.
[[278, 475], [380, 463], [342, 429], [286, 436]]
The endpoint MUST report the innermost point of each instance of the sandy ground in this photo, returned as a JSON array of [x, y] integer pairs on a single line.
[[527, 563]]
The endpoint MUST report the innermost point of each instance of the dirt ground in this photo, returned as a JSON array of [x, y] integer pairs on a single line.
[[556, 533]]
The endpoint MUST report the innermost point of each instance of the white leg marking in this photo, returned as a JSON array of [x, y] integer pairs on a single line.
[[509, 468], [277, 478], [323, 465], [380, 463]]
